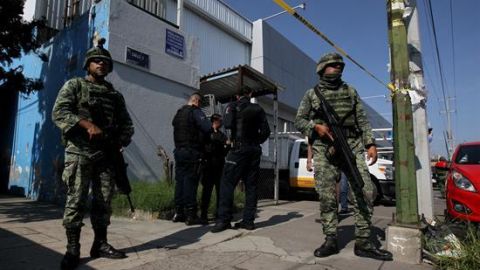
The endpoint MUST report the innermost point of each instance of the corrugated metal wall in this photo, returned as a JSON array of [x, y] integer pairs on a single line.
[[218, 49], [156, 7], [225, 14], [54, 11]]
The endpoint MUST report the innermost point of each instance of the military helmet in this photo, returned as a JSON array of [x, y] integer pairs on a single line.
[[329, 58], [98, 52]]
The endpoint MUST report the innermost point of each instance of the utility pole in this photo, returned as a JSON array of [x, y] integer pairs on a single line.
[[420, 126], [449, 133], [404, 161], [403, 236]]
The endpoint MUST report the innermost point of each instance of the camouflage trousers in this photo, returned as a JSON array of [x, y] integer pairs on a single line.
[[79, 174], [327, 174]]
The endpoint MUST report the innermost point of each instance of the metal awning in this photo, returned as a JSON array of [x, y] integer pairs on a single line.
[[225, 84]]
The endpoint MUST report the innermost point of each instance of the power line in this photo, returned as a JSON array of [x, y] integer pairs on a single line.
[[437, 51], [310, 26], [454, 63], [432, 82], [446, 98]]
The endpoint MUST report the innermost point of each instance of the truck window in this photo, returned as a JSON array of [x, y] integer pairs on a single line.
[[303, 152]]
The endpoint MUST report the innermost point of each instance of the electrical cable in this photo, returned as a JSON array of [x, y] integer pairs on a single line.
[[310, 26], [454, 65]]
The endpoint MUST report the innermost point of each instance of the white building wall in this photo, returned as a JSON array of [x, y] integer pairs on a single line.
[[283, 62], [152, 95], [224, 36], [218, 48], [221, 12], [131, 27], [152, 102]]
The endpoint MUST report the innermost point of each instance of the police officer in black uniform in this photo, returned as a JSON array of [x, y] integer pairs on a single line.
[[249, 128], [215, 151], [190, 127]]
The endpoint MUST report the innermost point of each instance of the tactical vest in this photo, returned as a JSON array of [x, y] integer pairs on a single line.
[[96, 103], [344, 103], [246, 123], [185, 134]]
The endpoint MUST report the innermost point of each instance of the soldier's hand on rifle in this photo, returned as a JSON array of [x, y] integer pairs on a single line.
[[323, 131], [93, 131], [309, 165], [372, 154]]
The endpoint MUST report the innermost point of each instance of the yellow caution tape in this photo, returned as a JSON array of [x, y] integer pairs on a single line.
[[285, 6], [310, 26], [391, 87]]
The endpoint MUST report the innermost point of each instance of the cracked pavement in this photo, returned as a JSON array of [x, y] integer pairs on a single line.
[[32, 237]]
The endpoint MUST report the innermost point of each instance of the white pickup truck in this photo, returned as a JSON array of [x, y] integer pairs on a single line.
[[292, 152]]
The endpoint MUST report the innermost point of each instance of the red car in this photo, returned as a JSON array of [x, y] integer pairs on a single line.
[[463, 183]]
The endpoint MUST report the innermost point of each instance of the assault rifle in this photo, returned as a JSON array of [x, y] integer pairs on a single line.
[[113, 150], [121, 178], [341, 146], [340, 143]]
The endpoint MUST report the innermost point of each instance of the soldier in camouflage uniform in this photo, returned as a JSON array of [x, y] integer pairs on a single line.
[[94, 122], [310, 121]]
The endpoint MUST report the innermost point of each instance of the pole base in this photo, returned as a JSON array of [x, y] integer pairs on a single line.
[[404, 243]]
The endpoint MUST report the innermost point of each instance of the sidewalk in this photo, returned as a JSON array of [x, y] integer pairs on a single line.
[[32, 237]]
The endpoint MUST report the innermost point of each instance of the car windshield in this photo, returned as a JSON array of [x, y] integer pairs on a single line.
[[468, 154]]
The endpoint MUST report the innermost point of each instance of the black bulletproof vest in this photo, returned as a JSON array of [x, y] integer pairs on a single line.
[[247, 122], [185, 133]]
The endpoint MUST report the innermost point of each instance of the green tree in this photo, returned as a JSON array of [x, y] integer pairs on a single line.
[[17, 37]]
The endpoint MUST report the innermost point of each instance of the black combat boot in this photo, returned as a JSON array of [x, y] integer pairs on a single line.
[[244, 225], [365, 248], [179, 215], [72, 256], [100, 247], [329, 247], [204, 217], [192, 217], [221, 226]]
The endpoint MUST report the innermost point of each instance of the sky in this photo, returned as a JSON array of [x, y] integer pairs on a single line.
[[29, 9], [360, 28]]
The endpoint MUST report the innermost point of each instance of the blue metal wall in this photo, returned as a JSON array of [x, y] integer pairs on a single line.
[[37, 156]]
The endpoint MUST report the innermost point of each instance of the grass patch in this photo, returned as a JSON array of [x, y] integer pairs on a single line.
[[469, 258], [157, 198]]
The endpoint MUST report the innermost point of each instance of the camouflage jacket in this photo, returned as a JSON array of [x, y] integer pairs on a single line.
[[309, 112], [99, 103]]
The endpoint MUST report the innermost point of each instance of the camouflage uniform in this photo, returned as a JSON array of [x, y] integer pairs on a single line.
[[95, 125], [87, 162], [343, 98]]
